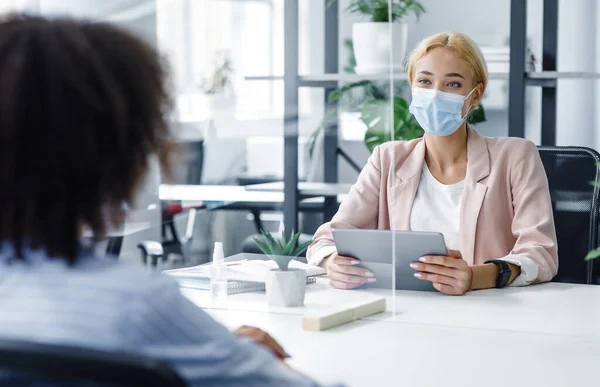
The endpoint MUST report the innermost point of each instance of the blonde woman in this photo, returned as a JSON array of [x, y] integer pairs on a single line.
[[488, 196]]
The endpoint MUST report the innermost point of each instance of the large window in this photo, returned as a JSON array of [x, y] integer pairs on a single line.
[[214, 45]]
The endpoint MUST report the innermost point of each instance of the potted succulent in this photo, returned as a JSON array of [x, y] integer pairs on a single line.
[[372, 39], [284, 286]]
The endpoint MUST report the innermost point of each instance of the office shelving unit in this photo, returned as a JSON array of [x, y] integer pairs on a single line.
[[518, 80]]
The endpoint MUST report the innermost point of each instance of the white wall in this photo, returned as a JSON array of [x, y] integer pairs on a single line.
[[577, 46]]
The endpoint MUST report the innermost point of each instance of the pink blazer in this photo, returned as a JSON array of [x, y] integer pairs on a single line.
[[506, 207]]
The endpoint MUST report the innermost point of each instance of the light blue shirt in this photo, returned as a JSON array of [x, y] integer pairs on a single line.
[[105, 304]]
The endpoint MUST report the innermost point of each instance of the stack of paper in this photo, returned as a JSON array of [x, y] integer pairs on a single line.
[[246, 270]]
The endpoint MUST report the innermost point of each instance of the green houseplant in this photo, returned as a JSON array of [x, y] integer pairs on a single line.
[[281, 250], [284, 286], [379, 10], [375, 58]]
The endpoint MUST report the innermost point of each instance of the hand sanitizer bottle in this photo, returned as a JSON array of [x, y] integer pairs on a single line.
[[218, 274]]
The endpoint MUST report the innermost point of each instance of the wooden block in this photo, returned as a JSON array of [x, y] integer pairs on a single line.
[[343, 314]]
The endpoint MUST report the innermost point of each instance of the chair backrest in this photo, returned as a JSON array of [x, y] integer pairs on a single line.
[[576, 204], [70, 366], [194, 161], [189, 163]]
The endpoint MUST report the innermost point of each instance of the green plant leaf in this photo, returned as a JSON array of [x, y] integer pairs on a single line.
[[373, 139], [337, 94], [301, 248], [593, 255], [351, 61], [273, 245], [477, 115], [292, 244], [375, 115], [283, 241], [263, 247], [380, 11]]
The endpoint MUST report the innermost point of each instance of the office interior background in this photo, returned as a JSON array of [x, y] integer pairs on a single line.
[[227, 66]]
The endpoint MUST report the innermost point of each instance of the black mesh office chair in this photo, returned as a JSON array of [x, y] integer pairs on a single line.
[[192, 162], [27, 363], [576, 206]]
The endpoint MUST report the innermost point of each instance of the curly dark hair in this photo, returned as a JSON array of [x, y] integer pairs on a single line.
[[83, 106]]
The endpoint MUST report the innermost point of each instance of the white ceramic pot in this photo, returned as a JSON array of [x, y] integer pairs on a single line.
[[286, 288], [372, 47]]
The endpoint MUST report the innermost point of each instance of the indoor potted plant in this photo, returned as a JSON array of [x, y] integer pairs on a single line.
[[371, 39], [218, 89], [284, 286]]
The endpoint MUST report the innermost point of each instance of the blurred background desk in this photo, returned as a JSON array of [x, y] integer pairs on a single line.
[[253, 198]]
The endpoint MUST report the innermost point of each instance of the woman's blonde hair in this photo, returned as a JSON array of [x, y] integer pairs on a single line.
[[463, 46]]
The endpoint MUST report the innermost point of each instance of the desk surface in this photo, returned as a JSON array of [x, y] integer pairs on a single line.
[[211, 193], [551, 308], [547, 334], [224, 194], [380, 353], [305, 188]]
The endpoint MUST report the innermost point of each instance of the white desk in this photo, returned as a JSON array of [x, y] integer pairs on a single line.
[[548, 335], [234, 197], [305, 188], [196, 194], [216, 193], [551, 308], [378, 353]]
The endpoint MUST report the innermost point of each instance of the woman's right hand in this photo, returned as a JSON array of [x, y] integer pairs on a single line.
[[343, 273]]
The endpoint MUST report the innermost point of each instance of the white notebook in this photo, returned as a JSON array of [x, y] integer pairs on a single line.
[[241, 274], [233, 287]]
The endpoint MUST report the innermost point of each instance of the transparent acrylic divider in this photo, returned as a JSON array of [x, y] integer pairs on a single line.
[[392, 137]]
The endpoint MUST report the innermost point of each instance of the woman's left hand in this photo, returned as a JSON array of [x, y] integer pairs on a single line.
[[449, 274], [261, 337]]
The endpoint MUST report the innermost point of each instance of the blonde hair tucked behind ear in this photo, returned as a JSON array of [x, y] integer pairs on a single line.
[[463, 46]]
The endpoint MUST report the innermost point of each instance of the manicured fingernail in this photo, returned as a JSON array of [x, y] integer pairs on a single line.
[[371, 280], [418, 275], [355, 262], [414, 265], [423, 259], [369, 274]]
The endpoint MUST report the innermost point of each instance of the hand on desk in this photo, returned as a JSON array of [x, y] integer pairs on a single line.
[[450, 274], [343, 273], [261, 337]]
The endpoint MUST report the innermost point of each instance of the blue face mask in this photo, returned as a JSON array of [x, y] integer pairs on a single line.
[[439, 113]]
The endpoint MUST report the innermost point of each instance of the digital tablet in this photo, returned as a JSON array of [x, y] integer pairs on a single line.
[[375, 249]]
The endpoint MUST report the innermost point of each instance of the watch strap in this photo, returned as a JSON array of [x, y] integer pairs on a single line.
[[504, 273]]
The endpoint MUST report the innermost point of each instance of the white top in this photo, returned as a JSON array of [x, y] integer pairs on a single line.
[[436, 208]]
